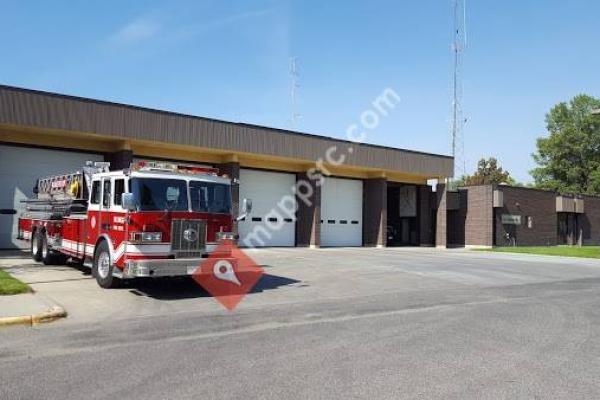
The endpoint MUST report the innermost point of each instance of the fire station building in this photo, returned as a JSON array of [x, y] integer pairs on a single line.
[[501, 215], [377, 196]]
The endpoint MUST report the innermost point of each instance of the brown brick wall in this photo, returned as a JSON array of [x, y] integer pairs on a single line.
[[441, 234], [375, 212], [477, 223], [539, 204], [425, 207], [590, 220], [476, 215], [308, 215]]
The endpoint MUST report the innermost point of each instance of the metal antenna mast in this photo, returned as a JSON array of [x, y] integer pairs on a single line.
[[458, 47], [293, 92]]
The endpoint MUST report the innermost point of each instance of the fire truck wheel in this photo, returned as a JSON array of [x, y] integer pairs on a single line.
[[36, 249], [103, 267], [47, 258], [50, 257]]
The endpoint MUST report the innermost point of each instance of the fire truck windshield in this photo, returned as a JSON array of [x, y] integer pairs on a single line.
[[210, 197], [155, 194]]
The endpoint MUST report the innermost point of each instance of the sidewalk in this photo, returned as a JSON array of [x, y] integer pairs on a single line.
[[23, 304], [26, 308]]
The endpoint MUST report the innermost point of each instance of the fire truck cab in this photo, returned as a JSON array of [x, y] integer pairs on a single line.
[[150, 220]]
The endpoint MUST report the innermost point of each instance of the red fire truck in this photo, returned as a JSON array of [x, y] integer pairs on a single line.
[[150, 220]]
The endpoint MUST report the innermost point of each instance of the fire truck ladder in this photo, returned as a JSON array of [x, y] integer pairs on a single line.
[[59, 195]]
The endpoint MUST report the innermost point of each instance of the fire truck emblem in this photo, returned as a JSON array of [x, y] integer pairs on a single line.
[[191, 235]]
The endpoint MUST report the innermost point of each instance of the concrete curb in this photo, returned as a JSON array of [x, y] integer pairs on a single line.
[[52, 314]]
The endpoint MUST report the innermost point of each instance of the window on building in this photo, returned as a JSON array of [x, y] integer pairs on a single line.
[[119, 190], [95, 198]]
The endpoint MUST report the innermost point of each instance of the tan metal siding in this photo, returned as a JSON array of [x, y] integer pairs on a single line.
[[51, 111]]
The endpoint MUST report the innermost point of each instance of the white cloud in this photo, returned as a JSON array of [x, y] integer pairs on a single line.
[[135, 32], [238, 17], [198, 29], [145, 28]]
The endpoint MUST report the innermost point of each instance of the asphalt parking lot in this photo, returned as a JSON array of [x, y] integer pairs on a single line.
[[299, 276], [327, 323]]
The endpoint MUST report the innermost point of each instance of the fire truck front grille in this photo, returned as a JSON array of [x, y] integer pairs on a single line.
[[188, 237]]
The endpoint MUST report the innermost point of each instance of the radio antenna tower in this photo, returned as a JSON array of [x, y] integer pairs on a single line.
[[293, 92], [459, 45]]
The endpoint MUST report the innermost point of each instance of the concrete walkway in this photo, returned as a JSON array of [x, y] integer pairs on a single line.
[[23, 304], [23, 308]]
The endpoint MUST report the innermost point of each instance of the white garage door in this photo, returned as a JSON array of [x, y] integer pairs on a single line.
[[341, 212], [272, 221], [20, 167]]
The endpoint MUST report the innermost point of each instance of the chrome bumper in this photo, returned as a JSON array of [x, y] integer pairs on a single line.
[[161, 267]]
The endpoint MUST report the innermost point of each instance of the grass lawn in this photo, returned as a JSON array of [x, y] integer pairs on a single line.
[[568, 251], [10, 285]]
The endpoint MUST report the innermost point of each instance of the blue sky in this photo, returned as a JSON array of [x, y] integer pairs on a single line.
[[230, 60]]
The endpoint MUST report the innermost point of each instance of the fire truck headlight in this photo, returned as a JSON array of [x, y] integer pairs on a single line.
[[141, 237], [151, 236], [226, 236]]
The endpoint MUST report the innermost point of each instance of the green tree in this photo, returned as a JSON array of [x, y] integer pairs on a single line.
[[569, 157], [488, 173]]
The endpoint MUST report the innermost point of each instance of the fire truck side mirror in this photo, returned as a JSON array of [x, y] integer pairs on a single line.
[[247, 206], [128, 202], [246, 209], [8, 211]]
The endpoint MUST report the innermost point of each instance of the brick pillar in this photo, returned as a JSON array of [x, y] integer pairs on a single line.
[[375, 212], [232, 169], [308, 215], [424, 212], [578, 218], [441, 234], [119, 159]]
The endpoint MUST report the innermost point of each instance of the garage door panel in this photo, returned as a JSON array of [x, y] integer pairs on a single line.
[[20, 167], [272, 221], [341, 212]]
